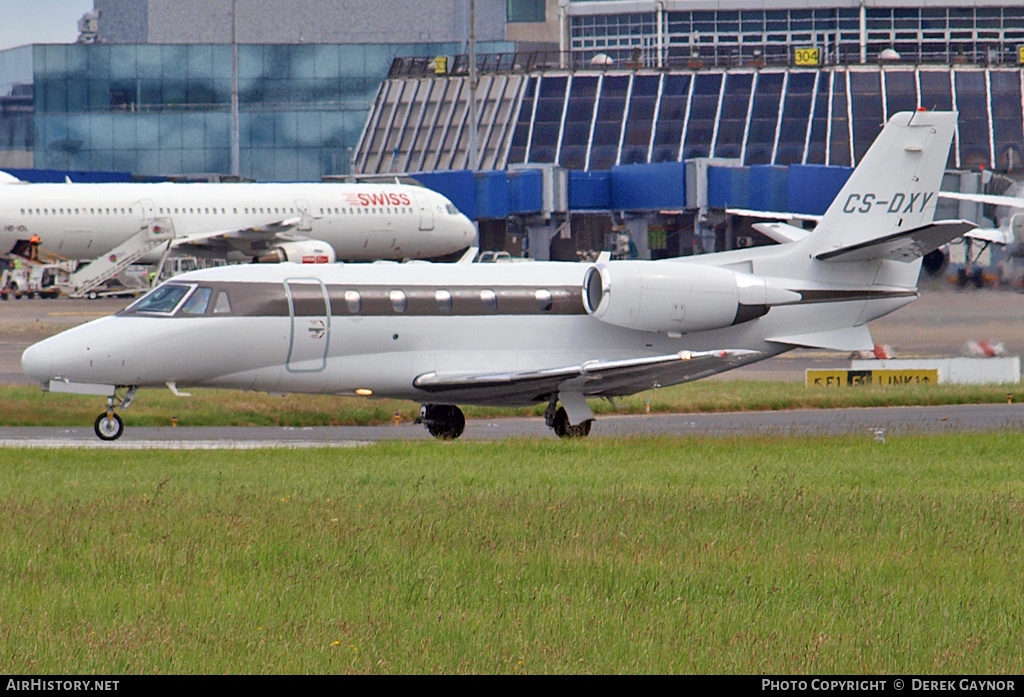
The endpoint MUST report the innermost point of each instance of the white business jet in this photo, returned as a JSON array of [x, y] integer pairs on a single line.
[[118, 224], [554, 333]]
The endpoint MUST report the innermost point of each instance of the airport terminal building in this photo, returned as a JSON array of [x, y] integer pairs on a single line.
[[580, 84], [612, 101]]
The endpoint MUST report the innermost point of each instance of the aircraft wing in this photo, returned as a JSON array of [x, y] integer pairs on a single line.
[[773, 215], [990, 236], [993, 199], [248, 239], [592, 378]]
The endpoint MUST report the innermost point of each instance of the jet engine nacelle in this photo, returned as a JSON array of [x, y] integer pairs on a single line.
[[677, 296], [300, 252], [936, 261]]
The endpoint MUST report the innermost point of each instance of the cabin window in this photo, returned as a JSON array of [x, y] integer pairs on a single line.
[[353, 301], [222, 306], [490, 300], [163, 299], [398, 301], [544, 299], [197, 302], [444, 301]]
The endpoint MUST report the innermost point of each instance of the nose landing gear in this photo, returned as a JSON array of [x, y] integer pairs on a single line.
[[108, 425]]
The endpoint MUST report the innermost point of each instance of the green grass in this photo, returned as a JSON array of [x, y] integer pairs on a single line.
[[29, 406], [665, 555]]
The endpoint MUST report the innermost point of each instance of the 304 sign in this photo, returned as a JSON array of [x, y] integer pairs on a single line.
[[806, 56]]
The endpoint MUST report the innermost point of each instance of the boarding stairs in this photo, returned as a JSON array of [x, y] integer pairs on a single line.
[[84, 281]]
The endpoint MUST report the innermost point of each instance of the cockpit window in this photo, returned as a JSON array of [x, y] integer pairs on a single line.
[[162, 299], [197, 302], [222, 306]]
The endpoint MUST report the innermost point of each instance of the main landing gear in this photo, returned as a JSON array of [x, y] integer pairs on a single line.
[[443, 421], [447, 422], [557, 419], [108, 425]]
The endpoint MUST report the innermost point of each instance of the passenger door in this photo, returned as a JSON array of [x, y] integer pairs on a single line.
[[310, 309]]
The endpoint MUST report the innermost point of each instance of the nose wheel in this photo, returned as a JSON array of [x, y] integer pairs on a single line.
[[108, 425]]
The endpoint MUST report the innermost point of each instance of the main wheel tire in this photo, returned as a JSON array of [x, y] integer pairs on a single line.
[[108, 426], [445, 421], [563, 429]]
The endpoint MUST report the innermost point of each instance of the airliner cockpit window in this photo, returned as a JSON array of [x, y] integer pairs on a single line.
[[163, 299], [197, 302]]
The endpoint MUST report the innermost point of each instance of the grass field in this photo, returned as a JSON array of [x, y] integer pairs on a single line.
[[29, 406], [781, 555]]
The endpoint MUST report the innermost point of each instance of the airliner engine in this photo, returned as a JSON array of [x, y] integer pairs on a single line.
[[676, 296], [300, 252]]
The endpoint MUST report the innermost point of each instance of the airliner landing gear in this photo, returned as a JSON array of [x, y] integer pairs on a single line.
[[558, 421], [443, 421], [108, 425]]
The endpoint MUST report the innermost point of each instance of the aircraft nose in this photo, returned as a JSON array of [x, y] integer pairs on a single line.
[[37, 361], [469, 233]]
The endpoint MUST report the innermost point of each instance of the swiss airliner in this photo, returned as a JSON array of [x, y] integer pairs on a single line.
[[263, 221]]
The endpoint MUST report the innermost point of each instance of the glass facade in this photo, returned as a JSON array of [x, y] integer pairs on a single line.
[[17, 134], [729, 37], [594, 120], [165, 109]]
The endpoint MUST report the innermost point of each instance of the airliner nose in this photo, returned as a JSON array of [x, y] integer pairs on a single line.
[[37, 361], [469, 233]]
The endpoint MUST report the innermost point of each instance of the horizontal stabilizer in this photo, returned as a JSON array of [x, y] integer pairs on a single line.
[[907, 245], [846, 339]]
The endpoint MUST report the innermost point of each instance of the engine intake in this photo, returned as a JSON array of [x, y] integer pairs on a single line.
[[673, 296], [300, 252]]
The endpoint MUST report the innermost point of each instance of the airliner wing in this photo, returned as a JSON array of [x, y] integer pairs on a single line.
[[773, 215], [992, 199], [592, 378], [249, 239], [990, 236]]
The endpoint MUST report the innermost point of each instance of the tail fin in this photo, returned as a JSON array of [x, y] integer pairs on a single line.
[[894, 188]]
